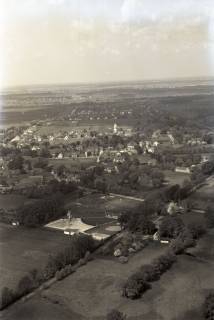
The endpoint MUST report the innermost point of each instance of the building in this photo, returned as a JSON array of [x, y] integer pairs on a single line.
[[115, 128], [60, 156], [183, 170], [16, 139]]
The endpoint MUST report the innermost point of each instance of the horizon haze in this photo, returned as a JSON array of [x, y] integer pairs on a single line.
[[61, 41]]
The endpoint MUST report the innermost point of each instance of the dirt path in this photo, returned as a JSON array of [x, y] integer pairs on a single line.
[[126, 197]]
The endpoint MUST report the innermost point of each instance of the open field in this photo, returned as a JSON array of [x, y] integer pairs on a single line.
[[86, 209], [103, 277], [11, 201], [178, 295], [204, 196], [18, 118], [173, 177], [51, 129], [191, 217], [23, 249], [69, 125], [75, 163]]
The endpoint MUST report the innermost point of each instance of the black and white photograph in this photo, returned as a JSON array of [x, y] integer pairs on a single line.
[[107, 159]]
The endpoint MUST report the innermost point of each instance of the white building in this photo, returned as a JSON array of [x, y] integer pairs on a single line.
[[60, 156], [183, 169]]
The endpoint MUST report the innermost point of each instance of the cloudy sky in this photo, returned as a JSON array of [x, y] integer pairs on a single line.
[[61, 41]]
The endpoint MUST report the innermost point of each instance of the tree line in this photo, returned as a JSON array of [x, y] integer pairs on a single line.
[[79, 248], [140, 281], [41, 211]]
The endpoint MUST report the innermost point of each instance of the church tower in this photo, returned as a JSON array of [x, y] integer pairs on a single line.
[[115, 128]]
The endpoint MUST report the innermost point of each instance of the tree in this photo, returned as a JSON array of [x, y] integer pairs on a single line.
[[171, 227], [25, 285], [135, 287], [173, 193], [66, 188], [208, 167], [44, 153], [99, 170], [36, 277], [187, 185], [209, 307], [149, 273], [7, 297], [41, 211], [133, 179], [115, 315], [124, 219], [16, 163], [41, 163], [183, 241], [164, 262], [28, 165], [209, 216], [145, 225], [144, 180], [132, 289], [158, 175], [100, 184], [208, 138], [76, 250], [51, 267], [60, 170], [196, 229]]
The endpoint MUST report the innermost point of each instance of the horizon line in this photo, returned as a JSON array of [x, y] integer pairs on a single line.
[[101, 82]]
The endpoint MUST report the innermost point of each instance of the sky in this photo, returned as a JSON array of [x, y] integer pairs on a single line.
[[69, 41]]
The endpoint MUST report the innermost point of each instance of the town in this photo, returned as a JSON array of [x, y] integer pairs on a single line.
[[110, 179]]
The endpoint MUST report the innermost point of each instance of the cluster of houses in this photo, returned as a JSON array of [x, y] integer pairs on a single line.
[[59, 143], [81, 142]]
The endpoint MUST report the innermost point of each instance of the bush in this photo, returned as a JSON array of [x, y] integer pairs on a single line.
[[133, 289], [87, 256], [141, 223], [123, 259], [171, 227], [58, 275], [45, 286], [37, 278], [209, 216], [66, 270], [80, 263], [164, 262], [150, 273], [51, 268], [182, 242], [177, 246], [61, 274], [209, 307], [138, 283], [72, 254], [69, 269], [115, 315], [197, 230], [7, 297], [25, 286]]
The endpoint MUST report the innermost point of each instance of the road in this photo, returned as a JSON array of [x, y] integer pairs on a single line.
[[126, 197], [114, 194]]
